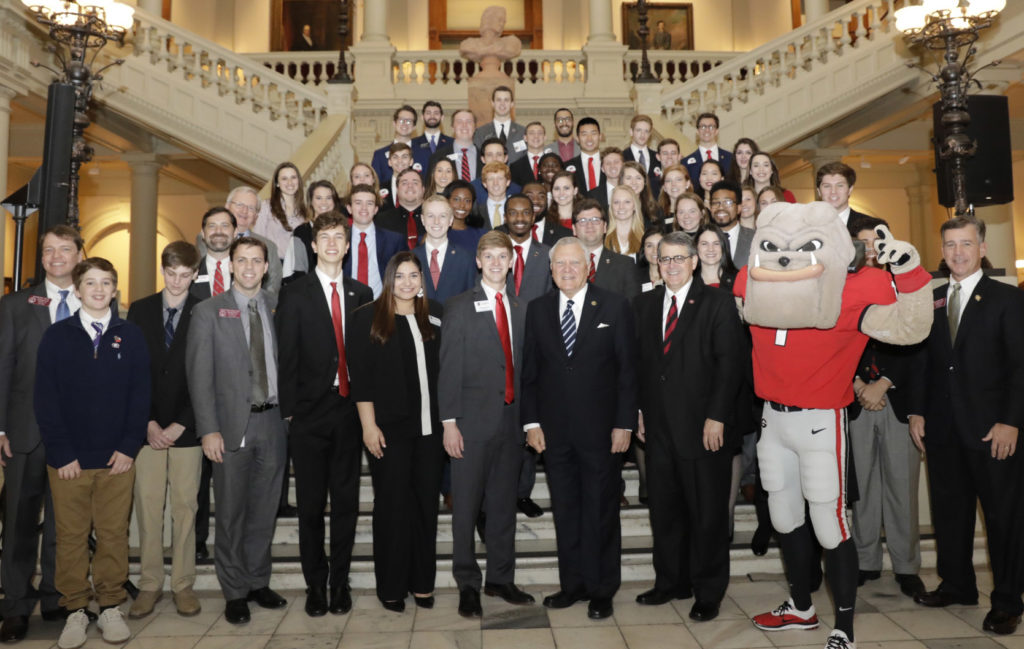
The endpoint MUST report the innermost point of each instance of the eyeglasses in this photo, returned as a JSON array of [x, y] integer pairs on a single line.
[[725, 202], [590, 220], [564, 120], [677, 259], [405, 120], [244, 207], [706, 127]]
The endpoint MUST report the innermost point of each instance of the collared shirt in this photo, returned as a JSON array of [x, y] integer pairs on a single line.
[[585, 160], [637, 150], [87, 321], [967, 286], [577, 311], [373, 270], [597, 257], [609, 187], [491, 206], [53, 293], [526, 244], [268, 337], [507, 125], [844, 215], [176, 318], [704, 152], [441, 250], [225, 271], [325, 284], [733, 236], [457, 148], [666, 304], [490, 293]]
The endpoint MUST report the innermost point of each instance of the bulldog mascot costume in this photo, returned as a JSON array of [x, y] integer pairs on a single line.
[[810, 320]]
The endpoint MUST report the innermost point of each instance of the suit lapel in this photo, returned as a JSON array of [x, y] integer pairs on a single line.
[[591, 305], [485, 319], [687, 314], [42, 312], [971, 310]]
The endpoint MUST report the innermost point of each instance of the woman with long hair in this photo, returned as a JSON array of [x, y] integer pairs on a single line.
[[564, 195], [363, 174], [739, 170], [674, 181], [691, 214], [768, 195], [442, 176], [647, 262], [322, 198], [467, 226], [626, 223], [749, 209], [710, 173], [634, 177], [715, 265], [764, 174], [394, 362], [286, 209]]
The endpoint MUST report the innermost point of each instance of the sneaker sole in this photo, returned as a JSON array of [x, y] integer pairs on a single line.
[[804, 626]]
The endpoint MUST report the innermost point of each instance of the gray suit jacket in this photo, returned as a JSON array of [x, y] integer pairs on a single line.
[[553, 145], [743, 247], [218, 367], [536, 273], [22, 323], [471, 384], [272, 282], [515, 144]]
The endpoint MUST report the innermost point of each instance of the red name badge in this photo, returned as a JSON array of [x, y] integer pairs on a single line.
[[39, 300], [229, 313], [939, 304]]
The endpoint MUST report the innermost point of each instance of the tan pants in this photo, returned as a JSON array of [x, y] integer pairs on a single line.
[[174, 470], [95, 499]]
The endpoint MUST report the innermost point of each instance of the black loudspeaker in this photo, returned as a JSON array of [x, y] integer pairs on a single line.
[[990, 170], [56, 170]]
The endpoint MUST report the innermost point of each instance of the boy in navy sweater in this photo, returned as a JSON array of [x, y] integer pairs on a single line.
[[92, 403]]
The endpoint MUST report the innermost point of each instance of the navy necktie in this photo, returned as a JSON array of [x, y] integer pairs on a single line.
[[169, 327], [98, 326], [568, 327]]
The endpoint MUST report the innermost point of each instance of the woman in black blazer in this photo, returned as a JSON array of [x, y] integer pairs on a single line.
[[393, 364]]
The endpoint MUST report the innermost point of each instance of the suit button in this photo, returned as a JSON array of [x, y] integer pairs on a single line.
[[952, 368], [662, 378]]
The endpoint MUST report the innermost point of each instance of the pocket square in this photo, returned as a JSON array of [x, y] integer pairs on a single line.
[[603, 325]]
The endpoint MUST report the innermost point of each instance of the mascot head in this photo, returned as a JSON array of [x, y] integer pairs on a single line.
[[797, 267]]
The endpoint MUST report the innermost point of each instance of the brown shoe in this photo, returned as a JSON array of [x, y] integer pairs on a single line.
[[186, 602], [144, 603]]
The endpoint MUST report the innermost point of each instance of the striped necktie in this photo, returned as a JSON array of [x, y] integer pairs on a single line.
[[568, 327]]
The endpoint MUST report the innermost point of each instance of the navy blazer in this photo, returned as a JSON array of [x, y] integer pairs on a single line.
[[421, 152], [724, 159], [388, 244], [458, 272], [481, 193]]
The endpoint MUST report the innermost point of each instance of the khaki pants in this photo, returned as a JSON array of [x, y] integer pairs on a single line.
[[174, 470], [95, 499]]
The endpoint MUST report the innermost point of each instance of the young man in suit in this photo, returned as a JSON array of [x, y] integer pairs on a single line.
[[232, 379], [218, 231], [579, 406], [834, 183], [587, 165], [640, 128], [405, 123], [668, 153], [527, 168], [371, 247], [967, 414], [493, 151], [399, 159], [405, 219], [425, 145], [481, 347], [707, 146], [690, 368], [605, 268], [501, 126], [170, 460], [543, 230], [725, 211], [497, 186], [461, 150], [611, 173], [324, 434], [24, 316], [449, 269]]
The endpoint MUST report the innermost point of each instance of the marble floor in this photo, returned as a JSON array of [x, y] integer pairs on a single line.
[[885, 619]]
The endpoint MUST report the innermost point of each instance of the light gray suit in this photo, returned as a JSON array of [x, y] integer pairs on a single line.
[[471, 390], [515, 145], [247, 485]]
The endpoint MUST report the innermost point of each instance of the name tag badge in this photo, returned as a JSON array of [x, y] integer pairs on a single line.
[[202, 279], [453, 156], [229, 313], [434, 320], [647, 286], [39, 300], [519, 146], [483, 305]]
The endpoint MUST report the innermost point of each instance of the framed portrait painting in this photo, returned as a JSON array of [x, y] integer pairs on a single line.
[[671, 25]]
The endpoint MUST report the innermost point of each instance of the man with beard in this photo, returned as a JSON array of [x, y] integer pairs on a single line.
[[424, 146], [725, 210], [564, 144], [218, 231]]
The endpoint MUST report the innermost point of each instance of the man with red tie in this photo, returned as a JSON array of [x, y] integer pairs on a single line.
[[218, 231], [587, 165], [606, 268], [372, 247], [324, 436], [527, 168], [707, 147], [450, 269], [478, 401], [405, 218]]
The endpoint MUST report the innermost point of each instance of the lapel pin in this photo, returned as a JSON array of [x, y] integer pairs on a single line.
[[593, 303], [689, 301], [977, 298]]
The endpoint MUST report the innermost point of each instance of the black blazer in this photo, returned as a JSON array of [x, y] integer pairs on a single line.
[[581, 174], [204, 289], [617, 273], [978, 382], [536, 271], [387, 374], [396, 219], [307, 352], [901, 364], [580, 398], [522, 170], [700, 377], [170, 403]]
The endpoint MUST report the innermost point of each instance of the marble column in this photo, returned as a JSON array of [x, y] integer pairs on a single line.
[[601, 22], [999, 236], [142, 230], [375, 20], [155, 7], [6, 94], [814, 9]]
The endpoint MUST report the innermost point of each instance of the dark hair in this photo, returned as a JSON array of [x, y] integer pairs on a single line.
[[407, 171], [774, 179], [838, 169], [502, 89], [473, 220], [331, 220], [778, 192], [664, 201], [705, 163], [534, 123], [647, 204], [727, 270], [588, 204], [585, 121], [430, 102], [709, 116], [550, 156], [463, 110], [705, 217], [728, 185], [65, 232], [653, 229], [276, 199], [558, 110], [856, 226], [958, 222], [488, 142], [403, 109], [395, 147], [84, 266], [735, 174], [551, 214], [383, 326], [431, 186], [668, 141], [364, 189], [179, 253], [318, 184], [213, 211], [247, 241]]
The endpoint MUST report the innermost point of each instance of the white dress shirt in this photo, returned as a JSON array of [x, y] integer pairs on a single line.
[[666, 304], [372, 269], [441, 250], [733, 236], [585, 161], [704, 153], [53, 293], [225, 271]]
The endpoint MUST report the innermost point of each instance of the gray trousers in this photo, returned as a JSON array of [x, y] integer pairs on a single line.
[[246, 491], [888, 466]]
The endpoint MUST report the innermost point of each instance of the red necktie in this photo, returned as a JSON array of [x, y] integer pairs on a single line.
[[709, 154], [501, 320], [363, 271], [435, 270], [536, 159], [465, 166], [410, 230], [218, 281], [591, 176], [339, 338], [535, 226], [593, 269], [670, 325], [517, 270]]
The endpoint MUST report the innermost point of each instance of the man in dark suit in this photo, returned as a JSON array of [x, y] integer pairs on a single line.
[[405, 123], [707, 147], [24, 316], [461, 150], [544, 231], [424, 146], [587, 165], [371, 247], [449, 269], [834, 183], [493, 151], [478, 394], [690, 368], [580, 407], [170, 460], [725, 210], [611, 172], [231, 361], [640, 128], [405, 219], [527, 168], [501, 126], [967, 414], [324, 434], [218, 231], [606, 269]]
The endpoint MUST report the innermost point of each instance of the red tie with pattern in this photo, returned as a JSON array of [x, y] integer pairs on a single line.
[[465, 166], [517, 269], [339, 338], [410, 230], [593, 269], [535, 237], [536, 159], [435, 269], [501, 320], [670, 325], [218, 281], [363, 271], [591, 176]]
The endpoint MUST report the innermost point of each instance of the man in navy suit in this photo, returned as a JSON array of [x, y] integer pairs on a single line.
[[405, 123], [449, 269], [707, 146], [371, 247], [493, 151], [424, 146], [579, 407]]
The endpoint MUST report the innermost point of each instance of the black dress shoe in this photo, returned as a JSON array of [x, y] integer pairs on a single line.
[[267, 598], [998, 622], [562, 599], [202, 552], [53, 614], [341, 600], [236, 611], [530, 508], [287, 511], [424, 602], [600, 608], [910, 585], [15, 628], [939, 598], [654, 597], [863, 576], [704, 611], [316, 601], [762, 537], [508, 592], [396, 606], [469, 603]]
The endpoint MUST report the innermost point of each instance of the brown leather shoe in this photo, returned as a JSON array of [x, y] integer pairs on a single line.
[[1000, 622], [187, 603], [144, 603]]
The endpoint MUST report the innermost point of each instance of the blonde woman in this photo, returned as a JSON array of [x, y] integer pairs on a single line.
[[626, 225]]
